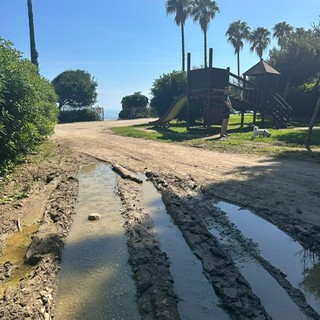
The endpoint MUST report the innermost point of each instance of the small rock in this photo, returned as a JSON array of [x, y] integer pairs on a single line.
[[94, 216]]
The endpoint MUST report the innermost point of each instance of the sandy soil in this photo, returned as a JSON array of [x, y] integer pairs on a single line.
[[289, 188], [284, 192]]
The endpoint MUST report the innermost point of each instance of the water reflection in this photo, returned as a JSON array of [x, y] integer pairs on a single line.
[[300, 265], [197, 299], [96, 280], [311, 281]]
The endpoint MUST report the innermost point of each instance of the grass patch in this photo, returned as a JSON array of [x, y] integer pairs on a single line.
[[283, 143]]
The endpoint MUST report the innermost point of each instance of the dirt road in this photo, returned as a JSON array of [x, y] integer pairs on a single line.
[[289, 188], [284, 192]]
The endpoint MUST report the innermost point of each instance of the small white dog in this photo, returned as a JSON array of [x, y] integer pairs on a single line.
[[260, 132]]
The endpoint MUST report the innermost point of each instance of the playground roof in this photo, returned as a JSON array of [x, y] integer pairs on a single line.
[[261, 68]]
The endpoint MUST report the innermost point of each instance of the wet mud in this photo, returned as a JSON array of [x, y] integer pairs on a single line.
[[202, 224], [245, 283]]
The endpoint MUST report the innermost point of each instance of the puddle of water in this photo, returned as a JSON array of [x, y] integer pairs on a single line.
[[14, 251], [197, 299], [273, 297], [300, 266], [95, 279]]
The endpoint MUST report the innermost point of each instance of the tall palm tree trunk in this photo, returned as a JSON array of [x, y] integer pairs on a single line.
[[183, 49], [33, 50], [238, 67], [205, 48], [238, 63]]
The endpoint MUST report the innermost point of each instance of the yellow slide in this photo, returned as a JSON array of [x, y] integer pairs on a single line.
[[173, 111]]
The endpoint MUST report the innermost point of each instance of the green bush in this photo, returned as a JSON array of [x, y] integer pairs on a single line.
[[28, 110], [87, 114]]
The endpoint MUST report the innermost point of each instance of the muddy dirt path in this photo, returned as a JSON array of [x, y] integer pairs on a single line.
[[284, 192], [248, 282]]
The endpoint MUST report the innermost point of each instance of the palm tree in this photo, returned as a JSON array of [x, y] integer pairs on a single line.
[[282, 31], [33, 50], [181, 10], [260, 39], [204, 11], [237, 32]]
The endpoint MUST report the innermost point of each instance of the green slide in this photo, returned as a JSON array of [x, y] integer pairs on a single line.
[[173, 111]]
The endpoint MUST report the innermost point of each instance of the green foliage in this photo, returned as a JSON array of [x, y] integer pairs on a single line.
[[204, 11], [134, 106], [181, 9], [260, 39], [300, 59], [86, 114], [166, 89], [28, 109], [75, 89], [299, 62]]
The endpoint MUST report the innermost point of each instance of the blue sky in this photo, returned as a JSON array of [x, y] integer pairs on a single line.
[[127, 44]]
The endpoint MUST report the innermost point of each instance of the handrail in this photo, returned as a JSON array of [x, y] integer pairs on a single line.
[[243, 80], [284, 102]]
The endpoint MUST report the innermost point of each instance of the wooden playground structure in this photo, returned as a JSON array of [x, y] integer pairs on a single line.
[[255, 92]]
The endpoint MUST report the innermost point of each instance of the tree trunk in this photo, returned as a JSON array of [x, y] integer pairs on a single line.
[[183, 53], [313, 118], [238, 65], [238, 62], [205, 48], [33, 50]]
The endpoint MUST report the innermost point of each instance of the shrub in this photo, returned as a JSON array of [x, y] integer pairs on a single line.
[[28, 110], [87, 114]]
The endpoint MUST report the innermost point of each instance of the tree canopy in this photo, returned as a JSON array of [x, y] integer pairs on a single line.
[[181, 9], [134, 106], [204, 11], [300, 59], [166, 89], [75, 89], [236, 33], [28, 109], [260, 39]]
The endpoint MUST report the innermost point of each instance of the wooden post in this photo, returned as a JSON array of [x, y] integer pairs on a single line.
[[188, 86], [210, 58]]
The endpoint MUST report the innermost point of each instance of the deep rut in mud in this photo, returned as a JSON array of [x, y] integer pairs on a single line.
[[244, 283]]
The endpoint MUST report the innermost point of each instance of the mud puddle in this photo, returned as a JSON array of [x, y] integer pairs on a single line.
[[197, 299], [95, 279], [301, 267]]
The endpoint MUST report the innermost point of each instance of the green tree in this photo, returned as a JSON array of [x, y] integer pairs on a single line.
[[33, 49], [236, 33], [166, 89], [282, 31], [204, 11], [299, 63], [134, 106], [75, 89], [181, 10], [260, 40], [28, 109], [300, 60], [316, 34]]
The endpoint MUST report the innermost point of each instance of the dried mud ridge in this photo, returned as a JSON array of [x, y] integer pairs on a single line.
[[190, 206]]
